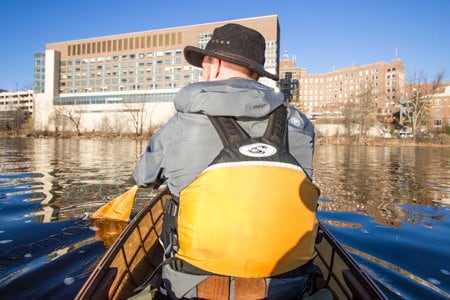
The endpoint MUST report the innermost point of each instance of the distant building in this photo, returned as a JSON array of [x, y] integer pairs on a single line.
[[15, 108], [439, 111], [39, 72], [13, 101], [327, 94], [110, 81]]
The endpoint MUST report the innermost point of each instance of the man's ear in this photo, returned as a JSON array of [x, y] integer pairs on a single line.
[[216, 65]]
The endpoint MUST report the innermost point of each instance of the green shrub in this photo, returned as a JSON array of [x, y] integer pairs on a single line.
[[447, 129]]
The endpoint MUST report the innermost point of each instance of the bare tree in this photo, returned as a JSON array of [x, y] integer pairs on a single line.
[[137, 113], [71, 114], [118, 126], [12, 120], [349, 112], [419, 94], [360, 112], [105, 127], [366, 107]]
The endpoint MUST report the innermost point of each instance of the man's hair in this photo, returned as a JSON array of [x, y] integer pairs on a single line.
[[245, 70], [239, 68]]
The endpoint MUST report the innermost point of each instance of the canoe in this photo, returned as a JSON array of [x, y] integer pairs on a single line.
[[136, 253]]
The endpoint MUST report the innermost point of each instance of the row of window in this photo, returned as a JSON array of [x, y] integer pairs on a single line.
[[133, 56], [331, 97], [138, 42], [373, 89], [117, 80], [123, 72], [114, 99], [123, 87], [128, 65], [335, 78], [125, 44]]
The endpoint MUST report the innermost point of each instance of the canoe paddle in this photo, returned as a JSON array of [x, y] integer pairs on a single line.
[[119, 208]]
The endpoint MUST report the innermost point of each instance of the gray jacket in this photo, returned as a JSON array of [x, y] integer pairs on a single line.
[[188, 142]]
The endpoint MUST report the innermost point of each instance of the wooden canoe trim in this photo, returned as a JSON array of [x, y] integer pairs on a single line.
[[218, 287], [214, 287], [249, 288]]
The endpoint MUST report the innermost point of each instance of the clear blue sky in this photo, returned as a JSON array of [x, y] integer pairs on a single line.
[[323, 35]]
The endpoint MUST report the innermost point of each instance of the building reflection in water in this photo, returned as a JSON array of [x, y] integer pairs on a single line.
[[379, 181], [71, 177]]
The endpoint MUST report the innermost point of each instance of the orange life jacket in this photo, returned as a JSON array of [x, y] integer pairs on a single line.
[[252, 211]]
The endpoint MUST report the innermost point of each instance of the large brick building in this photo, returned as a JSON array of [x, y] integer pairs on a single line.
[[107, 81], [439, 110], [327, 94]]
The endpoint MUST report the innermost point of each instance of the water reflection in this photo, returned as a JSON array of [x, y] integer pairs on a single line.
[[377, 181], [47, 189], [389, 206], [68, 177]]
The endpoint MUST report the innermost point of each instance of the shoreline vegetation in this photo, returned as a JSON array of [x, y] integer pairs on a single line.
[[440, 140]]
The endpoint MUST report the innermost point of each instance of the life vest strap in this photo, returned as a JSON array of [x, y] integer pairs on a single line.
[[276, 128], [230, 132]]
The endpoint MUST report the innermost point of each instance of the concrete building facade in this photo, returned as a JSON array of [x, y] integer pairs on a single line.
[[20, 100], [15, 108], [125, 81]]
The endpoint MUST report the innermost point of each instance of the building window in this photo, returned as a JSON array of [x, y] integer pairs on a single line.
[[136, 42], [204, 39]]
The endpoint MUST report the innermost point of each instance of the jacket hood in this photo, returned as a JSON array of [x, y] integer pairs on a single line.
[[232, 97]]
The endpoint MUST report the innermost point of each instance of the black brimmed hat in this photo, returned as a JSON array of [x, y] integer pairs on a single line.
[[236, 44]]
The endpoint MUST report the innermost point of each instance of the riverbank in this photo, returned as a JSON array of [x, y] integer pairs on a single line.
[[74, 135], [442, 140]]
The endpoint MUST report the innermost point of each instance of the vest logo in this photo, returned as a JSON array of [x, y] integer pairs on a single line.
[[258, 150]]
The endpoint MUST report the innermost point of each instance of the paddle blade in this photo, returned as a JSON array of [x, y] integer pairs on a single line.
[[119, 208]]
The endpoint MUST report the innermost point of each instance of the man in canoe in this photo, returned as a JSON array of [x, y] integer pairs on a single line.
[[238, 163]]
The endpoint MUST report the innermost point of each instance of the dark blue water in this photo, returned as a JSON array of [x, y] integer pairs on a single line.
[[48, 188], [390, 207]]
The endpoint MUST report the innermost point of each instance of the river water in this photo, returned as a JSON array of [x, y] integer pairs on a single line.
[[389, 206]]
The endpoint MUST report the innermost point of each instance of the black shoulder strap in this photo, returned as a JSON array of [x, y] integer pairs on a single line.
[[230, 132], [276, 129]]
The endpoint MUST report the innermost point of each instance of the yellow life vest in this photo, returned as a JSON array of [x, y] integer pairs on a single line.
[[252, 212]]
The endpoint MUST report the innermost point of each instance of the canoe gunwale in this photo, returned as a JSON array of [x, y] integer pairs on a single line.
[[342, 274], [100, 279], [353, 282]]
